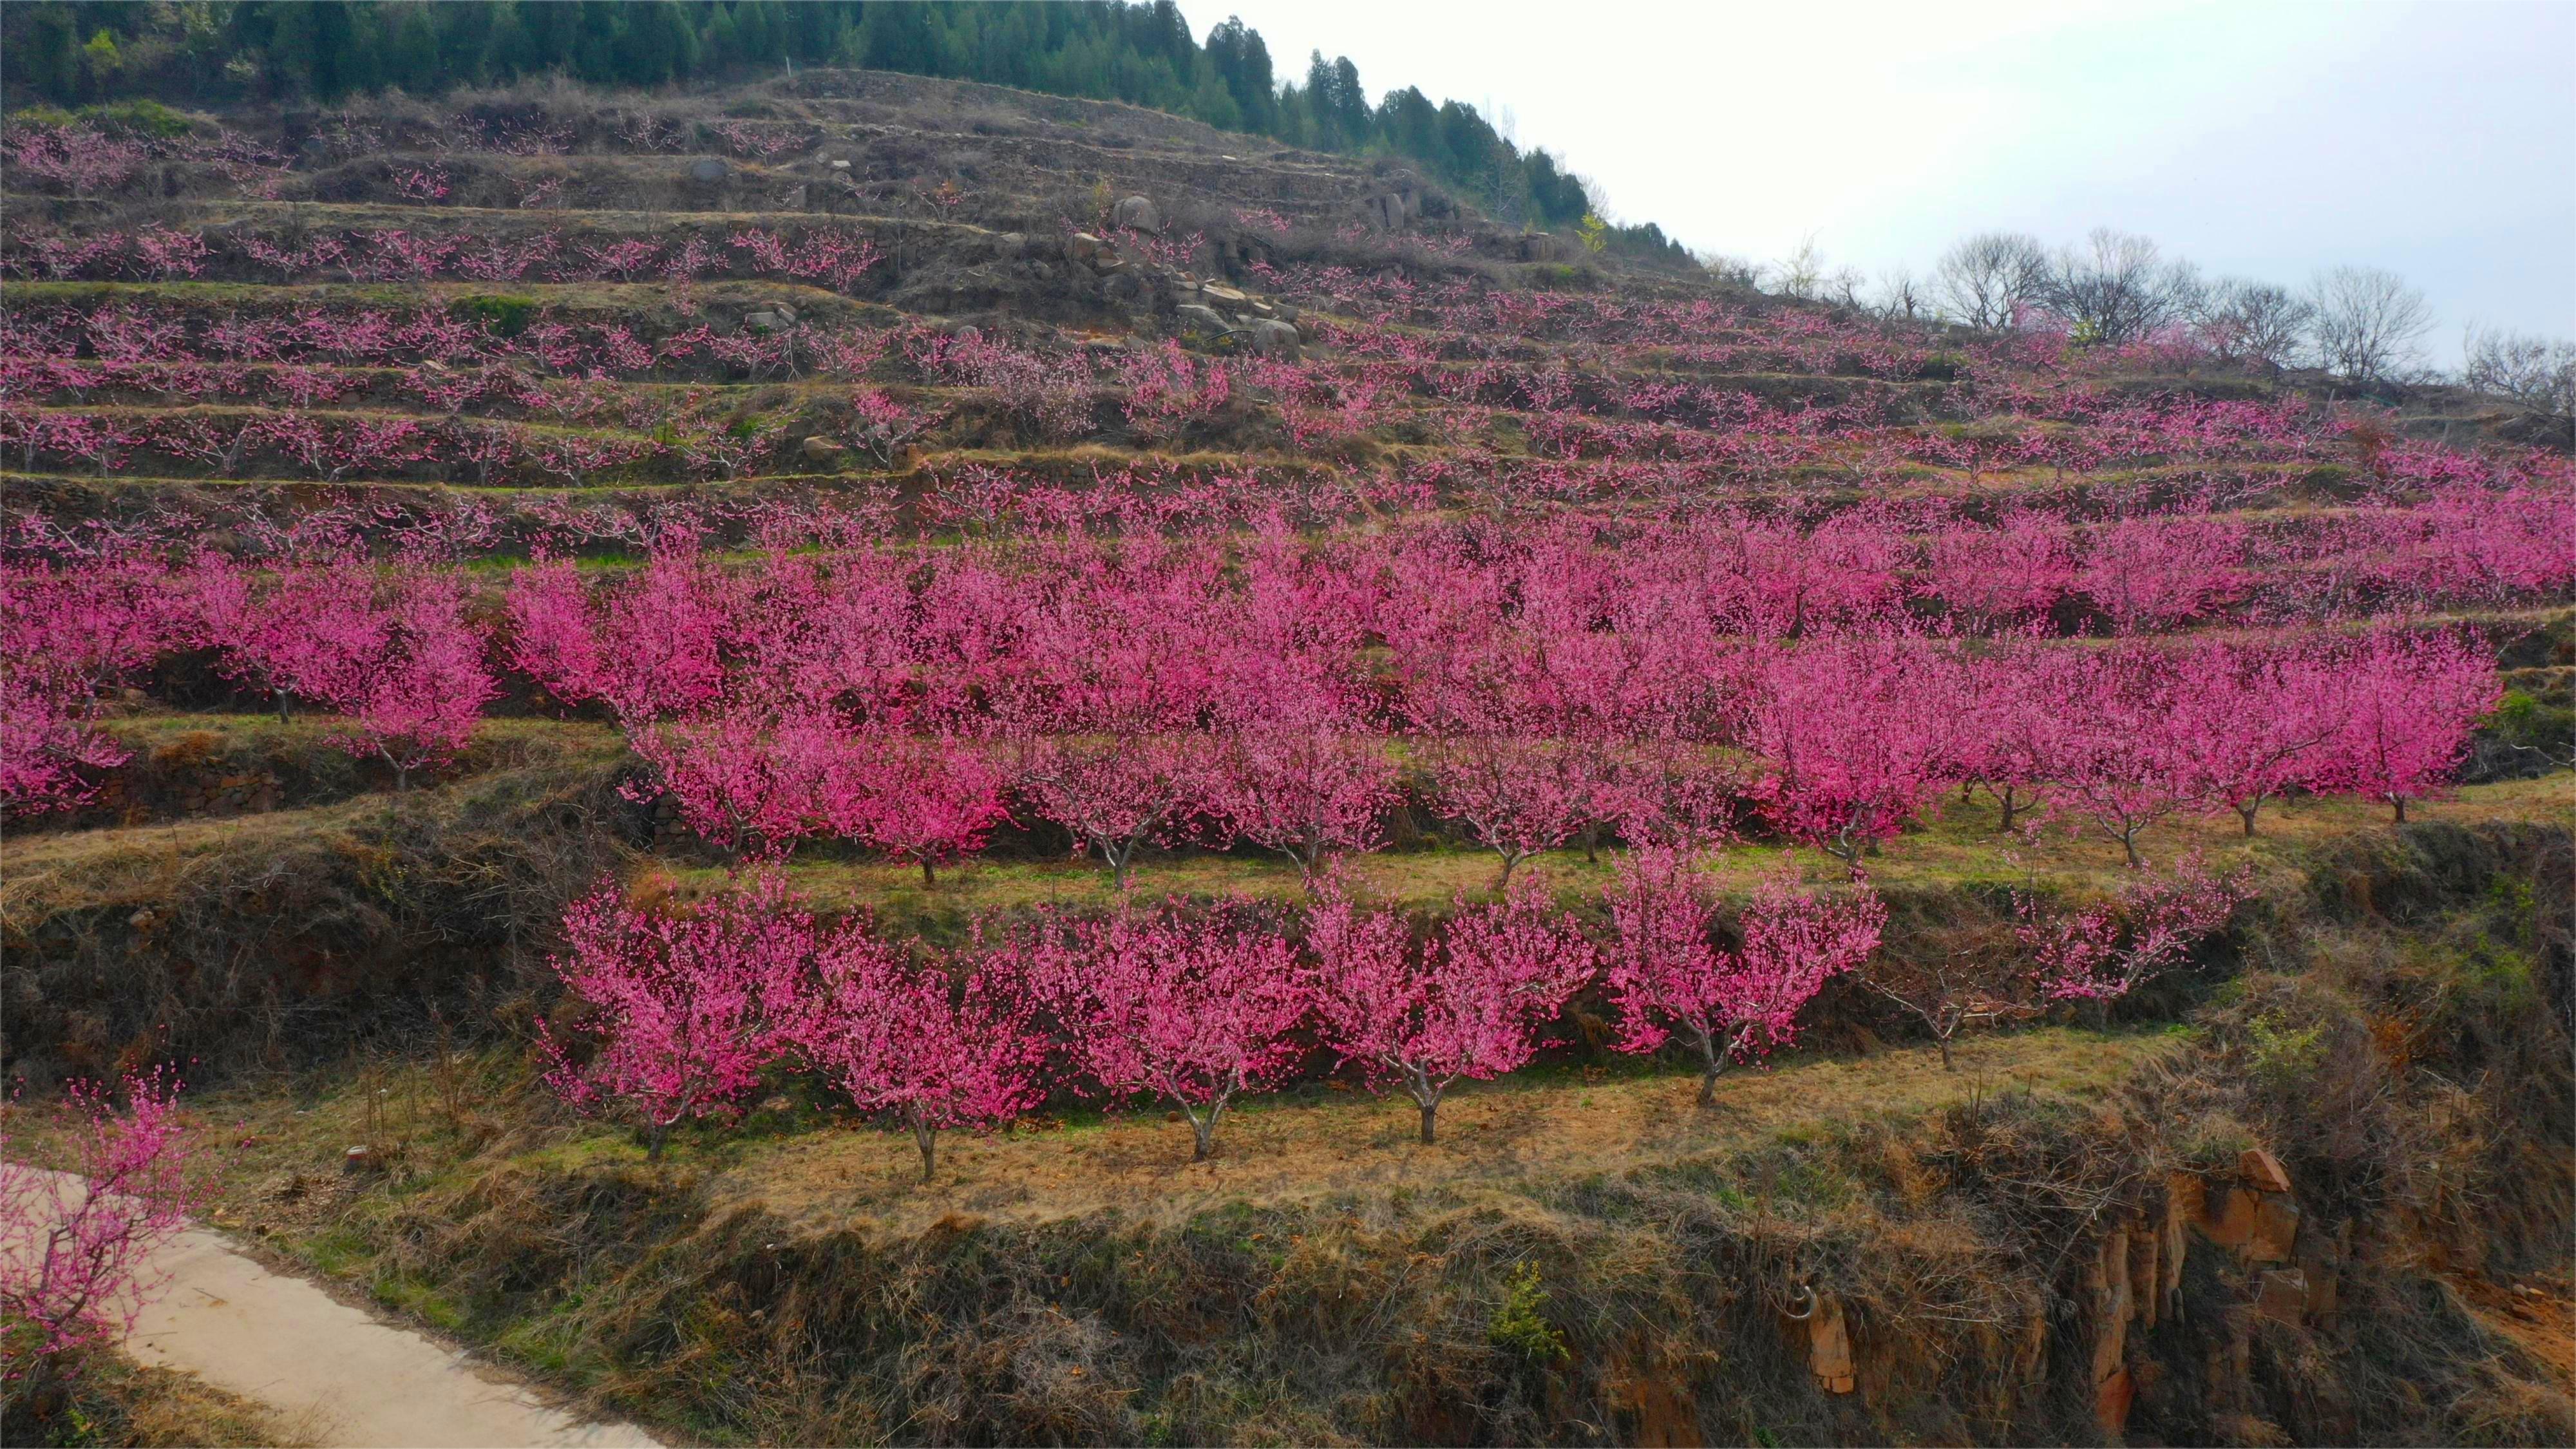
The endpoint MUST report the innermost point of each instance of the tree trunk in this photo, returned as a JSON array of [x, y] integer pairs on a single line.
[[929, 877], [1846, 850], [1309, 856], [1123, 859], [925, 1137], [2011, 805], [1430, 1110], [1203, 1132], [2400, 802], [1712, 1061], [658, 1134], [2246, 814]]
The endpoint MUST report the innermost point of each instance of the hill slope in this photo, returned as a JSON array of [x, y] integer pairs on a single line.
[[421, 513]]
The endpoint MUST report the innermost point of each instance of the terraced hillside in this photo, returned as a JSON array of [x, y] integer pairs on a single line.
[[472, 568]]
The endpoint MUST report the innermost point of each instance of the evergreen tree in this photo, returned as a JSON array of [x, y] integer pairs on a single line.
[[1340, 108], [1327, 132], [895, 37], [510, 51], [554, 34], [719, 44], [411, 52], [47, 53], [1162, 32], [655, 44], [464, 38], [1136, 52], [595, 42], [294, 43], [1556, 197], [813, 29], [1213, 103], [1351, 115], [762, 44], [346, 43], [1409, 122], [1239, 56]]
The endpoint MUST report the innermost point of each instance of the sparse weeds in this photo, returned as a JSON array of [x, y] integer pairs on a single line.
[[2280, 1055], [1520, 1326]]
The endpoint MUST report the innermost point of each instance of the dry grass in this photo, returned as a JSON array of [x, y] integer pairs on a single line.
[[1956, 847], [119, 1402], [176, 1409], [78, 870], [1518, 1133], [1317, 1141], [281, 937], [49, 872], [1326, 1277]]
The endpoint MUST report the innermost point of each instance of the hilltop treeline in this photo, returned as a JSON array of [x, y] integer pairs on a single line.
[[72, 54]]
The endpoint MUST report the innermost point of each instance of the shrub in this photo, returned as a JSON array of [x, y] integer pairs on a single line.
[[505, 316], [138, 118], [2280, 1054], [1521, 1327]]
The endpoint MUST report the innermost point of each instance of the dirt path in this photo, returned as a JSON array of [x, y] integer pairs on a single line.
[[333, 1373]]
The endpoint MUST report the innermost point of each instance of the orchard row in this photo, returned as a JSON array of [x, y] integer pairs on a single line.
[[823, 256], [82, 160], [550, 433], [1535, 687], [1461, 337], [170, 340], [679, 1017]]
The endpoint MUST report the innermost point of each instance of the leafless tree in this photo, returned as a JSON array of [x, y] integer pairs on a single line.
[[1985, 279], [2117, 287], [1801, 273], [1901, 296], [2537, 372], [2367, 322], [2253, 322], [1804, 274], [1731, 271]]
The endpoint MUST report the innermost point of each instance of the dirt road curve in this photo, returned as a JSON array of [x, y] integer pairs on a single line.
[[332, 1372]]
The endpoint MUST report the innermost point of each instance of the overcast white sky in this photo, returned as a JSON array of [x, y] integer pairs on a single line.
[[2256, 137]]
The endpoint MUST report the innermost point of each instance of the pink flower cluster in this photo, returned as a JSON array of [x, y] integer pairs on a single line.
[[833, 257], [679, 1015], [393, 650], [1543, 689], [78, 1268], [1192, 1006]]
